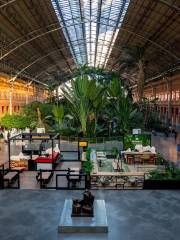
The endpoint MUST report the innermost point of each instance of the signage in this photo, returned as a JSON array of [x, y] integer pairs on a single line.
[[83, 144]]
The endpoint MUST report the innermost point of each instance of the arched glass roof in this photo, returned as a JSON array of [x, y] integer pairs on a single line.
[[40, 38], [91, 24]]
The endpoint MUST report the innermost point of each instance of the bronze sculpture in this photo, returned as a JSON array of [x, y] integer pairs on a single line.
[[84, 207]]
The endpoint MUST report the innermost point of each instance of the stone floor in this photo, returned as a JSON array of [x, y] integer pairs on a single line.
[[167, 146], [132, 215]]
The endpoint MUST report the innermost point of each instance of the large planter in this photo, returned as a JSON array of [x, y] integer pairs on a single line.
[[161, 184]]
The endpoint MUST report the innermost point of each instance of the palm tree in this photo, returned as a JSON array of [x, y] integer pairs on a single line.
[[58, 113], [85, 99], [133, 58], [121, 106]]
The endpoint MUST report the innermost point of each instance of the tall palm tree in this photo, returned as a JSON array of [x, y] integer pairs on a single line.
[[121, 106], [133, 57]]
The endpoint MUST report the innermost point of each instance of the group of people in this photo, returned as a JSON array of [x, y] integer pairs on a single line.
[[5, 133]]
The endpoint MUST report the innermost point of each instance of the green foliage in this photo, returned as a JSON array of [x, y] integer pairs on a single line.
[[114, 151], [88, 154], [96, 104], [58, 112], [133, 59], [70, 131], [85, 99], [160, 159], [88, 165], [30, 110], [122, 109], [131, 140], [15, 121], [170, 174]]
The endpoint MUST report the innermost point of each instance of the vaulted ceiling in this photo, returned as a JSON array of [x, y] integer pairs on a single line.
[[40, 38]]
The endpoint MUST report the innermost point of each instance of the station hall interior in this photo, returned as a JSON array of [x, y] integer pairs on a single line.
[[89, 116]]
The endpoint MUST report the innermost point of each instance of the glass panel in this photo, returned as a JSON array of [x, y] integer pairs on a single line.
[[90, 27]]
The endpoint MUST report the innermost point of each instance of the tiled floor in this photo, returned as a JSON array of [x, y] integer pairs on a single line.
[[132, 215], [142, 215]]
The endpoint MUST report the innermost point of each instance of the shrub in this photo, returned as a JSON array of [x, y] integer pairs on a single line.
[[15, 121]]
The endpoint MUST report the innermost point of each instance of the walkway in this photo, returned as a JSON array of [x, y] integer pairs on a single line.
[[142, 215]]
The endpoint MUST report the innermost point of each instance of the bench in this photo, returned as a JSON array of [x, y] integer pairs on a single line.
[[44, 178], [11, 177]]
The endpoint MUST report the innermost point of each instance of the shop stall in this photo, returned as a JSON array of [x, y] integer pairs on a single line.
[[36, 151]]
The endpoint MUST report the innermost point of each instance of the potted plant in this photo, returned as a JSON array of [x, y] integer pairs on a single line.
[[113, 154], [88, 167], [160, 159]]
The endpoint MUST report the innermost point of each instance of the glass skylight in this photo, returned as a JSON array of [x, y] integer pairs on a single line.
[[90, 27]]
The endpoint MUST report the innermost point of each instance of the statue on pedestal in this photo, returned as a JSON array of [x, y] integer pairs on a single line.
[[84, 207]]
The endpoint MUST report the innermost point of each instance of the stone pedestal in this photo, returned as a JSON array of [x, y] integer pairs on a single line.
[[96, 224]]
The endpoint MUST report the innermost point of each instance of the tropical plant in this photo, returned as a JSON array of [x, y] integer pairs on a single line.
[[122, 109], [88, 165], [99, 74], [133, 57], [160, 159], [37, 112], [114, 151], [58, 112], [85, 99]]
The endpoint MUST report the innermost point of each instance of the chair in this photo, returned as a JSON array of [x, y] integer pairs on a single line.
[[44, 178], [145, 158], [74, 178], [138, 159], [129, 159]]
